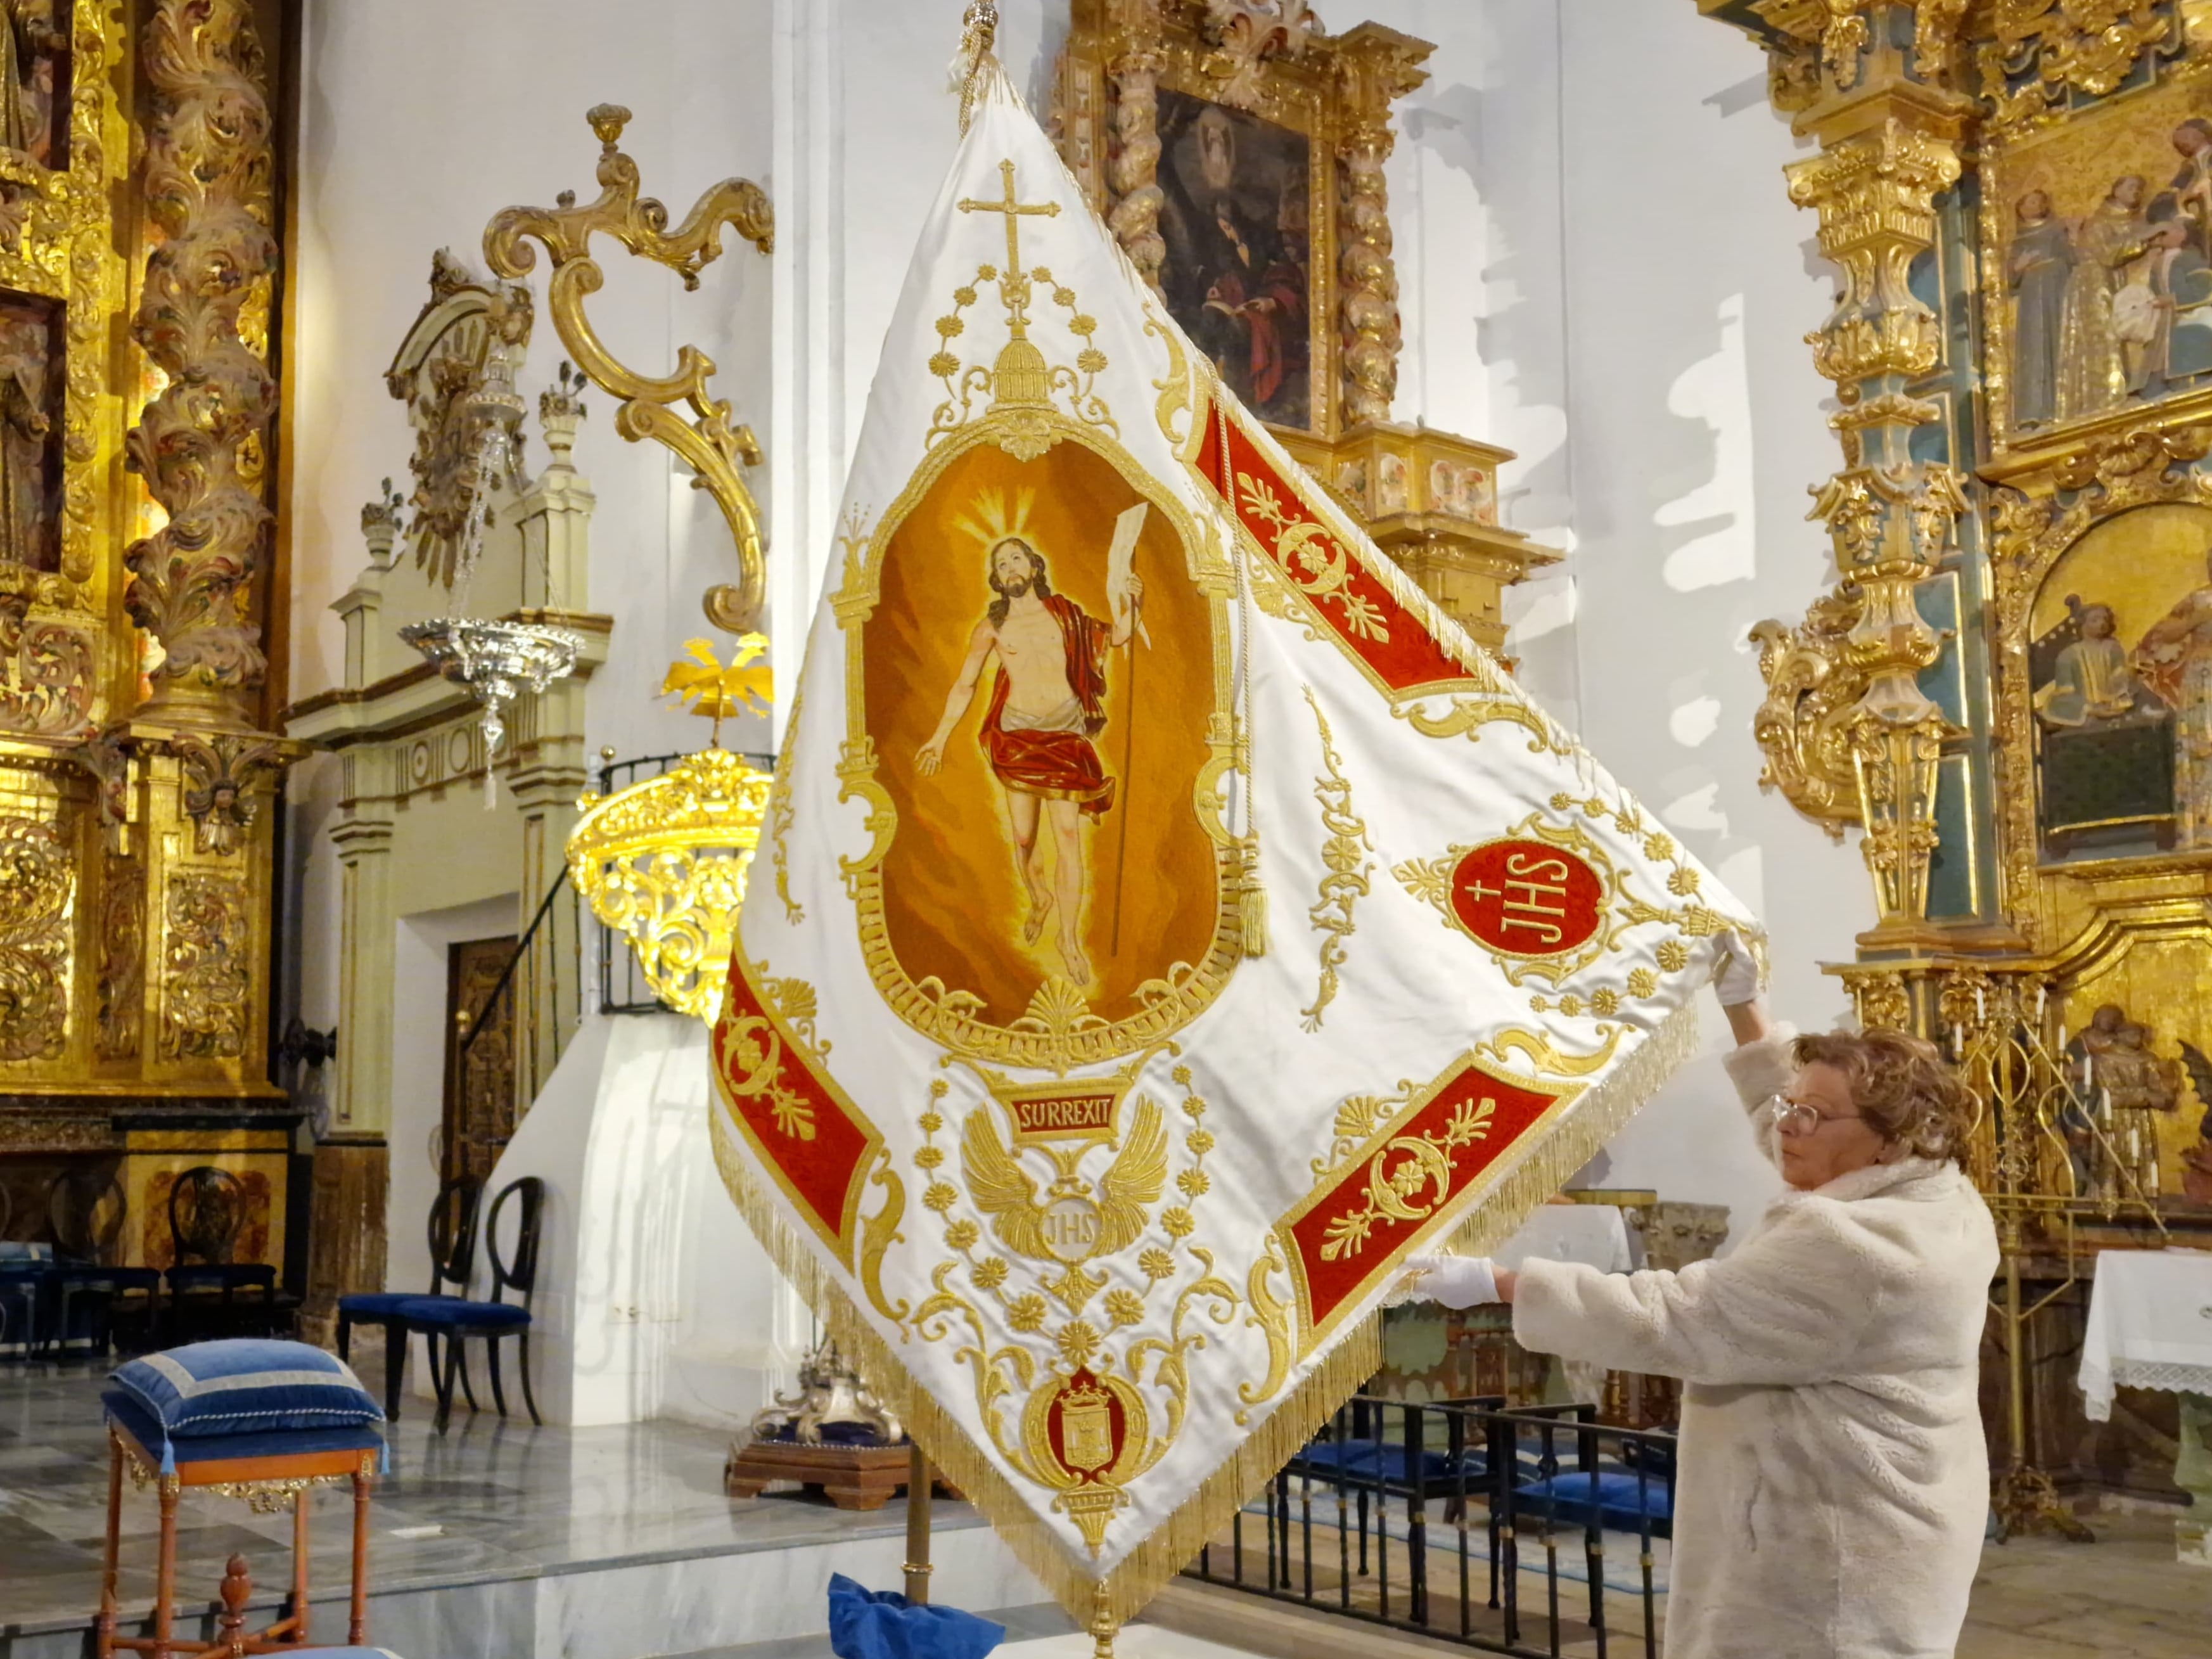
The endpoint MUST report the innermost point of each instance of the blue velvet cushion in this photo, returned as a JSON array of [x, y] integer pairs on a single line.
[[124, 1411], [246, 1383], [443, 1312], [884, 1624], [378, 1304]]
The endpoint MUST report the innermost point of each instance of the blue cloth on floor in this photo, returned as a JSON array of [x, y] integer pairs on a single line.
[[866, 1624]]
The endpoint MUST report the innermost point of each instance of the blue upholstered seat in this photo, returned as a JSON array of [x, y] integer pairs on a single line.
[[245, 1385], [175, 1449], [381, 1304], [1624, 1501], [447, 1312]]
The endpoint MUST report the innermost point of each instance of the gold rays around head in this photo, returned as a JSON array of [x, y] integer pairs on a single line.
[[996, 516]]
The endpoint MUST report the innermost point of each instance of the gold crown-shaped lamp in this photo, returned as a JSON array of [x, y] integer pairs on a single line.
[[664, 862]]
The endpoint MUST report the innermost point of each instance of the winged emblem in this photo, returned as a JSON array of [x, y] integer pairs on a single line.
[[1073, 1219]]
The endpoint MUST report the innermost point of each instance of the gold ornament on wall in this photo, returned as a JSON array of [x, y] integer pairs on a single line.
[[710, 443]]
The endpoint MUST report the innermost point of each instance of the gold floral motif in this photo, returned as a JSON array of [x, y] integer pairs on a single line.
[[1308, 556], [2089, 46], [120, 1016], [206, 975], [1344, 856], [710, 443], [1394, 1191], [38, 888]]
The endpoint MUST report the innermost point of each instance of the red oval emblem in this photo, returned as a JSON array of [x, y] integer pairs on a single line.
[[1526, 898]]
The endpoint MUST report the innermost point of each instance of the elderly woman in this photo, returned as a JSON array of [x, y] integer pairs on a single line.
[[1833, 1483]]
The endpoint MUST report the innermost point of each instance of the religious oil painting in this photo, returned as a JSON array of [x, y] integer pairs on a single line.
[[1238, 272], [2120, 662], [1039, 676], [31, 392], [2103, 232], [34, 78]]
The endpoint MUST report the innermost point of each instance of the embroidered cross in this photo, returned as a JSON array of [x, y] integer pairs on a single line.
[[1014, 286]]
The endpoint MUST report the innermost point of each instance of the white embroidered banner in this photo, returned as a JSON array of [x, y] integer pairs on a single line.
[[1167, 923]]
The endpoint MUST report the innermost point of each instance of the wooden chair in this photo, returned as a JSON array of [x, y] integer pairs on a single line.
[[207, 1289], [85, 1217], [457, 1320], [453, 1232]]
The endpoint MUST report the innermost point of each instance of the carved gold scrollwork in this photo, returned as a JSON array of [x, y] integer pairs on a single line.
[[2056, 46], [1810, 690], [199, 444], [711, 444], [218, 777], [37, 886]]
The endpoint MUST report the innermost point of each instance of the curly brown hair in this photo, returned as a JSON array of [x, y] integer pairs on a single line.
[[1904, 1085]]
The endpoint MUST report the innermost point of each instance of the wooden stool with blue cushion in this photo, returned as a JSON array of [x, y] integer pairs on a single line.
[[458, 1321], [260, 1419], [452, 1246]]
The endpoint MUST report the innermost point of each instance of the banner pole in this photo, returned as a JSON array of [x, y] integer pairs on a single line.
[[1128, 756], [918, 1482]]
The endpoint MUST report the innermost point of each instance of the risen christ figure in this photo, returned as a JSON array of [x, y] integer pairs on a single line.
[[1048, 706]]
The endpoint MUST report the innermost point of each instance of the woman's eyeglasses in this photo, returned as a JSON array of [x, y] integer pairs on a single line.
[[1794, 1118]]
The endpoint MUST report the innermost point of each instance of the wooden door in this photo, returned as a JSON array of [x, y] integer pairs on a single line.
[[479, 1113]]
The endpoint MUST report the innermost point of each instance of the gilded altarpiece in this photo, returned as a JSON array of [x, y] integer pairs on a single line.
[[2007, 692], [1237, 149], [140, 355]]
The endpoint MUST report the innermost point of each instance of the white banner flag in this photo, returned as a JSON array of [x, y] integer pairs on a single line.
[[1167, 920]]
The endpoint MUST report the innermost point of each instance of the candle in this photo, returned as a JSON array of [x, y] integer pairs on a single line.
[[2041, 992], [2088, 1072], [1981, 1008]]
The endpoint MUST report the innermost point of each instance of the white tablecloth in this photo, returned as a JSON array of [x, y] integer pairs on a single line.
[[2150, 1326], [1592, 1234]]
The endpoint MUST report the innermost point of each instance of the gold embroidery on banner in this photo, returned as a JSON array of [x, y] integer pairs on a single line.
[[1394, 1190], [878, 1233], [1466, 716], [1346, 881], [1057, 1030], [1549, 1060], [1070, 1383], [1271, 1317], [1309, 554]]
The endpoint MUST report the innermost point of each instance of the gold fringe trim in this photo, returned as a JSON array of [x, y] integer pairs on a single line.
[[1592, 1120], [1121, 1594]]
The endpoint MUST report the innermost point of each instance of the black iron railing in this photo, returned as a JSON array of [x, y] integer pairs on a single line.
[[623, 988], [539, 997], [1534, 1531]]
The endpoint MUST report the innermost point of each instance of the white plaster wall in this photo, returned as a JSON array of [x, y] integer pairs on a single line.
[[1605, 267], [422, 119]]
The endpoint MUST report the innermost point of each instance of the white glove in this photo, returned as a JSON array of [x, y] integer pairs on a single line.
[[1736, 977], [1456, 1281]]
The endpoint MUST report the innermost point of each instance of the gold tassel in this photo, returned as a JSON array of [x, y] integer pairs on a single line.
[[1252, 902]]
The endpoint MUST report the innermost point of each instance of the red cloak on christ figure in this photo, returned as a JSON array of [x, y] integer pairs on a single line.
[[1056, 759]]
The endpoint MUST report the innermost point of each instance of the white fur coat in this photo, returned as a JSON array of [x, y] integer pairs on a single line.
[[1833, 1482]]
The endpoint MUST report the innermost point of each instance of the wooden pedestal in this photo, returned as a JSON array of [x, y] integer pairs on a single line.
[[851, 1477]]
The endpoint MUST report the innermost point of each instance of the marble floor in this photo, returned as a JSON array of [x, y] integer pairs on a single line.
[[503, 1541], [497, 1541]]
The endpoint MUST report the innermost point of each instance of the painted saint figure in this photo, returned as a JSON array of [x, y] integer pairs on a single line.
[[2093, 364], [25, 532], [1048, 707], [2091, 681], [2193, 185], [2042, 264], [2175, 660]]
